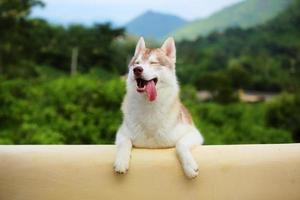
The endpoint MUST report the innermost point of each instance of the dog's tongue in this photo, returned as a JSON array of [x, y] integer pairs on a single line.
[[151, 90]]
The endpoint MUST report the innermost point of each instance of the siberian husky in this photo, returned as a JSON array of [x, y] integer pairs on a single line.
[[153, 116]]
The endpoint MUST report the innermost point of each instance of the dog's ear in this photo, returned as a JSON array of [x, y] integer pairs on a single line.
[[169, 48], [140, 46]]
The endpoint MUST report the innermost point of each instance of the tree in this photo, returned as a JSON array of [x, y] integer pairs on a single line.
[[284, 113], [13, 15], [239, 76]]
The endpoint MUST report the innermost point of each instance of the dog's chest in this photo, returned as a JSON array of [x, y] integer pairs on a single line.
[[153, 127]]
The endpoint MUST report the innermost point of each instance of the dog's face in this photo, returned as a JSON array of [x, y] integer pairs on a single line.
[[152, 70]]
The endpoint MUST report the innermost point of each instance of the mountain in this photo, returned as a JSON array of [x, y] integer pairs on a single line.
[[244, 14], [264, 57], [154, 25]]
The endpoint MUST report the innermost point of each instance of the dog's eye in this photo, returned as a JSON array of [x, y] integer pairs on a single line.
[[137, 62], [154, 63]]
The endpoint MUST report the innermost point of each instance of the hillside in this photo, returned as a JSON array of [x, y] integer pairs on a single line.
[[244, 14], [154, 25], [265, 57]]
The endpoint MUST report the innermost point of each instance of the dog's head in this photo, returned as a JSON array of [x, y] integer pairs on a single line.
[[152, 70]]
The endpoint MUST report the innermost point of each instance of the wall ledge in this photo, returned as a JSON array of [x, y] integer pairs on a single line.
[[85, 172]]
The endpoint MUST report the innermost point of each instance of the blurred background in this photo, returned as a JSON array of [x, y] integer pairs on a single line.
[[63, 63]]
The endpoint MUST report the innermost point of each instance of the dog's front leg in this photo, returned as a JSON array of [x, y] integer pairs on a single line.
[[124, 147], [183, 147]]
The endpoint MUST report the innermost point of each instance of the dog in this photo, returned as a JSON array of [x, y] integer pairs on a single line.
[[153, 116]]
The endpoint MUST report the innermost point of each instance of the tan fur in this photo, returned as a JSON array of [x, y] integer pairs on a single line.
[[146, 53], [162, 59], [185, 115]]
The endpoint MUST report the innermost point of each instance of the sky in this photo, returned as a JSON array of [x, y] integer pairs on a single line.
[[119, 12]]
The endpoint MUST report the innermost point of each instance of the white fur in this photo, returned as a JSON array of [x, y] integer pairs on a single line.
[[155, 124]]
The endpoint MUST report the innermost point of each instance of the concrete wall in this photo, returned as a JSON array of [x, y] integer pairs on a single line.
[[241, 172]]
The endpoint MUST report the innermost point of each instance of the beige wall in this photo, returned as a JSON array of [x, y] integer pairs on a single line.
[[249, 172]]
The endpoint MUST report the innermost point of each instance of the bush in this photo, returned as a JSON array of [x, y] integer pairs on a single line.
[[86, 110], [220, 85], [74, 110], [236, 123], [284, 113]]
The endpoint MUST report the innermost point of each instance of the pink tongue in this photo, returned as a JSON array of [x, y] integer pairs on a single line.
[[151, 90]]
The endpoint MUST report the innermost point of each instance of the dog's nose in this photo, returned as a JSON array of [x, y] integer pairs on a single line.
[[137, 71]]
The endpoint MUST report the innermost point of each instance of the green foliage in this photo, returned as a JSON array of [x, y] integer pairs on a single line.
[[264, 58], [23, 39], [55, 44], [236, 124], [40, 104], [239, 76], [85, 110], [283, 113], [220, 85], [244, 14], [13, 14], [69, 110]]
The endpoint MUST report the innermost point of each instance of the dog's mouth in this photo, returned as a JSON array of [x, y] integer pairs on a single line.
[[141, 83], [147, 86]]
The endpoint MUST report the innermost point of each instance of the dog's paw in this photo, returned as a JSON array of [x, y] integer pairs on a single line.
[[121, 166], [191, 169]]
